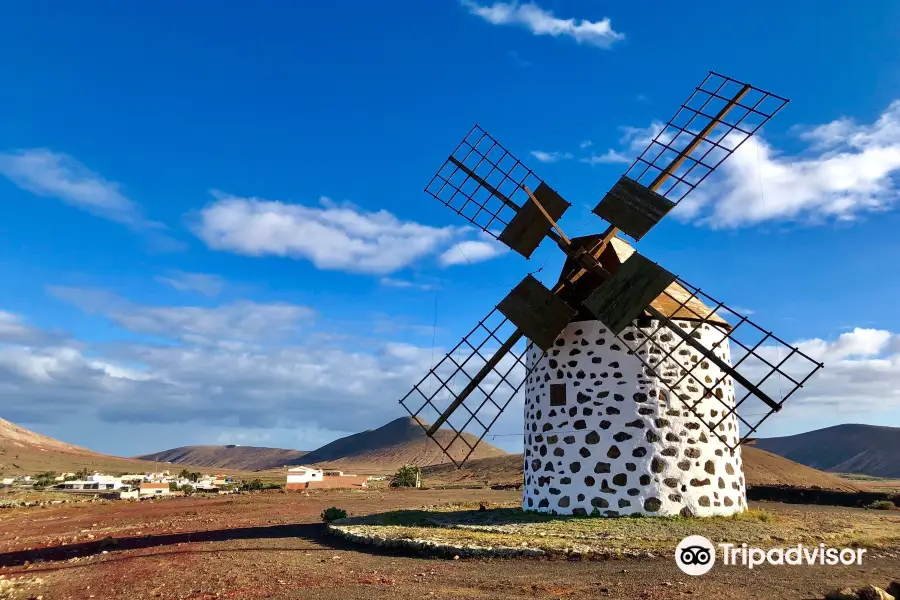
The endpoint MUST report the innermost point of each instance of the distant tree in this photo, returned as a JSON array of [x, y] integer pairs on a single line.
[[173, 487], [185, 474], [194, 476], [187, 489], [82, 474], [252, 486], [407, 476], [43, 480]]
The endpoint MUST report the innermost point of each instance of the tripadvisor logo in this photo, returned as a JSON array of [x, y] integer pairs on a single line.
[[696, 555]]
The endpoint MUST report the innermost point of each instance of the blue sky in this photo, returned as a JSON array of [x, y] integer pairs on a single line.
[[214, 231]]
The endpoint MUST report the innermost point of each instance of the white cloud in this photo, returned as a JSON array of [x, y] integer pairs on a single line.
[[406, 284], [848, 170], [857, 343], [861, 374], [230, 324], [518, 59], [57, 175], [14, 329], [208, 285], [292, 385], [551, 157], [633, 141], [542, 22], [610, 157], [336, 386], [333, 237], [472, 251]]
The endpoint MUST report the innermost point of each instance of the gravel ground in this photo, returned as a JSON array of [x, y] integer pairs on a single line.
[[275, 546]]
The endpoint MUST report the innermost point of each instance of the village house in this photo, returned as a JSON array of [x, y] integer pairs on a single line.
[[299, 478], [306, 478], [90, 484], [154, 489]]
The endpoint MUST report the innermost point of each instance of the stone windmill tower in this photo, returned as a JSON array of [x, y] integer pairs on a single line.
[[638, 387]]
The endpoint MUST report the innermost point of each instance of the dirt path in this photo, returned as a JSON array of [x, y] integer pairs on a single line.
[[273, 546]]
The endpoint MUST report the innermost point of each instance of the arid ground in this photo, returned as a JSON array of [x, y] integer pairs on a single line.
[[275, 546]]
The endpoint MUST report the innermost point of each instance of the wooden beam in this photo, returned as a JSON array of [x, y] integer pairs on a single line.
[[479, 377], [623, 298], [536, 311], [529, 226], [547, 216], [708, 354], [632, 207], [482, 182], [682, 156], [661, 178]]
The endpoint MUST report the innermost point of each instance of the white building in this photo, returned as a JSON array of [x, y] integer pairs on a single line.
[[604, 434], [154, 489], [300, 476], [87, 484], [107, 482]]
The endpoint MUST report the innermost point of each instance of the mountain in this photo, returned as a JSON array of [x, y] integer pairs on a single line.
[[244, 458], [26, 452], [760, 468], [851, 448], [402, 441]]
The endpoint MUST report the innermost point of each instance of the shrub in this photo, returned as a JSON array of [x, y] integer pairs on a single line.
[[252, 486], [258, 484], [881, 505], [407, 476], [333, 514]]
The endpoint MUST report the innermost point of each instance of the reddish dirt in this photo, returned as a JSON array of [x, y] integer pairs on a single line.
[[274, 546]]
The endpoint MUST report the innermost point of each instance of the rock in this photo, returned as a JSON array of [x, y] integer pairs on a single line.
[[870, 592], [841, 594]]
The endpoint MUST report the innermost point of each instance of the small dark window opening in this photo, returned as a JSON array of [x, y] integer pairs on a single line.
[[557, 394]]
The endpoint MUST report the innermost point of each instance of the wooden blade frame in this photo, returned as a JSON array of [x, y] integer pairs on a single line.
[[487, 367], [762, 365], [716, 120], [490, 204], [486, 184]]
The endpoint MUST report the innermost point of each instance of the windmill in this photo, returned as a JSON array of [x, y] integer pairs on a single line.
[[639, 388]]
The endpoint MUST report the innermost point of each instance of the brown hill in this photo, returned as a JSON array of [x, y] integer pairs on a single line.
[[26, 452], [400, 442], [760, 468], [850, 448], [245, 458]]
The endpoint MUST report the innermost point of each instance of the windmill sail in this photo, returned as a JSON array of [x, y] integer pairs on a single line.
[[720, 115], [486, 184], [749, 370], [455, 396]]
